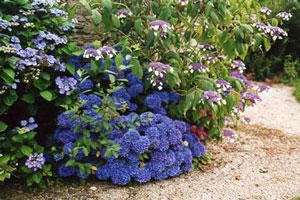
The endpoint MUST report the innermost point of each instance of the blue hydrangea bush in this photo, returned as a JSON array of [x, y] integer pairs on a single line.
[[133, 147]]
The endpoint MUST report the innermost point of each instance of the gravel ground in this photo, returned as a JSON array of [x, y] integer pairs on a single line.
[[279, 109], [262, 165]]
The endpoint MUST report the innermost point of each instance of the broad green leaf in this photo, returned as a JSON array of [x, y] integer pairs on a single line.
[[37, 177], [119, 60], [47, 95], [96, 17], [28, 98], [26, 150], [136, 69], [71, 68], [3, 126], [86, 5], [116, 21], [107, 4]]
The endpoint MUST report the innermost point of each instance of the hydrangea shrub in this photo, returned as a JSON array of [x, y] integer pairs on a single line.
[[193, 48], [34, 49]]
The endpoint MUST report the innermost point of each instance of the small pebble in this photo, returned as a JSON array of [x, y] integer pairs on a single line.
[[93, 188]]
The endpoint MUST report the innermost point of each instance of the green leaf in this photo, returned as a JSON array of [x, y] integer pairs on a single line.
[[71, 68], [87, 6], [70, 163], [229, 48], [267, 43], [3, 126], [239, 35], [46, 76], [28, 98], [96, 17], [165, 13], [8, 76], [116, 21], [47, 95], [119, 60], [136, 69], [107, 4], [26, 150], [138, 25], [37, 177]]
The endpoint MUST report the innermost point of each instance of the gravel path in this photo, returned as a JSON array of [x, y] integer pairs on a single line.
[[264, 164], [279, 110]]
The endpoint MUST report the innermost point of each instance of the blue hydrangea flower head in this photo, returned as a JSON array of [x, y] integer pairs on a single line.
[[141, 145]]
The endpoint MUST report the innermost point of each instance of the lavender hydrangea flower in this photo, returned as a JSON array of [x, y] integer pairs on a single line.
[[57, 12], [252, 97], [266, 10], [123, 13], [107, 51], [229, 134], [286, 16], [212, 97], [4, 24], [199, 67], [35, 161], [223, 86], [159, 70], [206, 46], [263, 88], [277, 33], [66, 84], [210, 58], [43, 3], [162, 26], [92, 53], [238, 65]]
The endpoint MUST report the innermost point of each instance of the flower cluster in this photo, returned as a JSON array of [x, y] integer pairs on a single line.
[[123, 13], [238, 65], [99, 53], [162, 26], [223, 86], [157, 100], [158, 71], [251, 97], [198, 67], [66, 84], [266, 10], [273, 31], [35, 161], [170, 145], [206, 46], [28, 125], [212, 97], [45, 38], [286, 16]]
